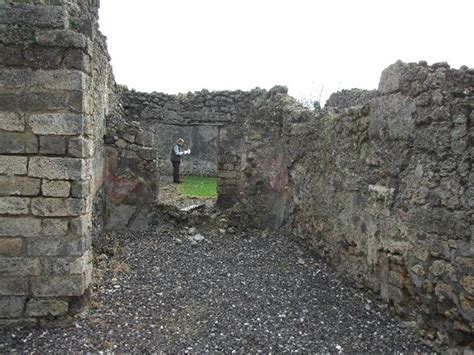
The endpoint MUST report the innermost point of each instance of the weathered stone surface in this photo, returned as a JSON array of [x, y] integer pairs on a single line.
[[73, 285], [11, 246], [57, 207], [37, 15], [11, 121], [20, 227], [57, 168], [42, 101], [19, 185], [11, 307], [15, 266], [55, 247], [80, 189], [55, 188], [18, 143], [68, 265], [12, 165], [46, 307], [42, 80], [56, 123], [62, 38], [390, 80], [52, 145], [14, 205], [468, 283], [80, 147], [54, 227], [13, 286]]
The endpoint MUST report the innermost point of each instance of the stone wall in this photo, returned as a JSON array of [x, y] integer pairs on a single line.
[[51, 72], [383, 190], [212, 123], [132, 177]]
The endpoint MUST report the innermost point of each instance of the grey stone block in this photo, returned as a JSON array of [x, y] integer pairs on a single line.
[[58, 207], [18, 143], [62, 38], [52, 145], [11, 121], [57, 124], [11, 307], [11, 165], [80, 147], [34, 15], [42, 80], [54, 227], [18, 266], [43, 308], [19, 185], [55, 188], [55, 247], [80, 189], [13, 286], [14, 205], [20, 227], [57, 168], [73, 285]]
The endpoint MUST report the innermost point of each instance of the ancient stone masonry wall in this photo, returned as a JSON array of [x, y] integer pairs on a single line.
[[53, 69], [385, 191], [212, 123], [131, 170]]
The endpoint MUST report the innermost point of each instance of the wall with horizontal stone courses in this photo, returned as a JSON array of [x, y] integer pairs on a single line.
[[50, 154], [385, 191], [212, 123]]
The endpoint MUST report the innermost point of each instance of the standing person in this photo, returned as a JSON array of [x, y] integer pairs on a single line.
[[176, 153]]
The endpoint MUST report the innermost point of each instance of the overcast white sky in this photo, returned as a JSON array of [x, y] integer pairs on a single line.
[[186, 45]]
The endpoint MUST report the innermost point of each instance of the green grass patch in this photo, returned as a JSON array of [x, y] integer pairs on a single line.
[[199, 187]]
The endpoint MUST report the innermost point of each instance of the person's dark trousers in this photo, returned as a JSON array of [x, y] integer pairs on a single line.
[[176, 171]]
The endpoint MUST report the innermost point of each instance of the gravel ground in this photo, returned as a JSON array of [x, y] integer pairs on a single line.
[[221, 293]]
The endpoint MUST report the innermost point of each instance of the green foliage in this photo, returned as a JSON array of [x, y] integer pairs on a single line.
[[199, 187]]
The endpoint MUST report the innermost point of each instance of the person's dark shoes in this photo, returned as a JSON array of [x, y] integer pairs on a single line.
[[176, 182]]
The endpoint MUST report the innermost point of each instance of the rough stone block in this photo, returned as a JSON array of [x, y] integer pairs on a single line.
[[52, 145], [55, 247], [11, 307], [468, 283], [80, 189], [11, 246], [11, 121], [55, 188], [62, 38], [43, 308], [19, 185], [80, 147], [57, 123], [390, 79], [57, 168], [67, 265], [13, 165], [73, 285], [42, 101], [57, 207], [54, 227], [13, 286], [34, 15], [20, 227], [14, 205], [43, 58], [42, 80], [15, 266], [18, 143]]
